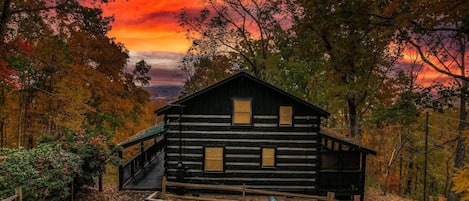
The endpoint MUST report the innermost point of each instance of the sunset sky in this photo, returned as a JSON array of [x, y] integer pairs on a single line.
[[149, 30]]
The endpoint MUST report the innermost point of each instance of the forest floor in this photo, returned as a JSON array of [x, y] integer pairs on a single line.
[[110, 193]]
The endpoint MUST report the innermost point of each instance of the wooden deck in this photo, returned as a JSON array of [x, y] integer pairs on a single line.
[[150, 177]]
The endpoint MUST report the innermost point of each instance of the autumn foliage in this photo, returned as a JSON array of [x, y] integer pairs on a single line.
[[64, 82], [376, 66]]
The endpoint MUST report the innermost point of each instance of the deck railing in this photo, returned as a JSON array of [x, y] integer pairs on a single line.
[[17, 197], [132, 167], [242, 189]]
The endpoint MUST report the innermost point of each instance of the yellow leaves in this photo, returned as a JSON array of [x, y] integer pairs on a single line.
[[461, 183], [72, 96]]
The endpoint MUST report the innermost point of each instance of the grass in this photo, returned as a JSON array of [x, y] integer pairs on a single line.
[[111, 176]]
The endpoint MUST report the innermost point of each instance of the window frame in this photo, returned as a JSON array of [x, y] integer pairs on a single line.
[[274, 165], [280, 116], [205, 159], [233, 112]]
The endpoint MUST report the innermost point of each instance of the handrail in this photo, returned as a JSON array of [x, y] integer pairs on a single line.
[[137, 156], [132, 167]]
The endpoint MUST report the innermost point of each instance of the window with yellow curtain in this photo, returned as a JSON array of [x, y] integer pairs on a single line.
[[285, 115], [213, 159], [268, 157], [242, 111]]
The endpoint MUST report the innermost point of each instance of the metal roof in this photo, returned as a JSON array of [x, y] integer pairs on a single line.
[[144, 135], [344, 140]]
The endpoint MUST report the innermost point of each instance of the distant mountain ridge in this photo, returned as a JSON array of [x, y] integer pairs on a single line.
[[168, 92]]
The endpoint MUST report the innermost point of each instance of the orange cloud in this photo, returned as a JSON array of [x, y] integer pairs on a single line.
[[427, 76], [150, 40], [143, 25]]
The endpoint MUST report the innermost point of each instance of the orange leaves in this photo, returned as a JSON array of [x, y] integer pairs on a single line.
[[96, 140], [15, 48], [21, 45], [73, 77], [5, 73]]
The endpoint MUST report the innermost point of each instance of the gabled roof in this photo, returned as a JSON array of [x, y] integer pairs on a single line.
[[344, 140], [246, 75]]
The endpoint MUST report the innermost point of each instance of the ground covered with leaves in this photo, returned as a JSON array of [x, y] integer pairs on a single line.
[[110, 193]]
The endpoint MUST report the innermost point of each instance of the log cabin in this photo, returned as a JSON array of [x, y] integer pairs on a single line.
[[243, 130]]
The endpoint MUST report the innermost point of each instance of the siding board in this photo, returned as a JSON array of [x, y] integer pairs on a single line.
[[207, 121], [245, 143]]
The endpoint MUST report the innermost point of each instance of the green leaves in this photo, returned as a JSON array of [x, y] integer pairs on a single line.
[[140, 72], [44, 173]]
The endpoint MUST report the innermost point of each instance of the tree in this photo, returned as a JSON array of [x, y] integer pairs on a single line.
[[36, 21], [355, 46], [439, 33], [209, 71], [72, 88], [140, 72], [243, 30]]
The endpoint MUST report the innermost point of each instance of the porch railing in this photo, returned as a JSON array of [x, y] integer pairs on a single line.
[[131, 168]]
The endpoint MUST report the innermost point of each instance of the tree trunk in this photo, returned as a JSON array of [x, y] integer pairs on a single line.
[[447, 178], [2, 119], [386, 180], [459, 153], [410, 166], [354, 125], [2, 133], [392, 158], [399, 185], [20, 118], [4, 16], [4, 19]]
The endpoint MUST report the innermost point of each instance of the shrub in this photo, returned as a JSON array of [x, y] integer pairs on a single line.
[[44, 173], [93, 146]]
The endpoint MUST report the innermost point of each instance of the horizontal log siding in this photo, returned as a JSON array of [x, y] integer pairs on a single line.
[[296, 151]]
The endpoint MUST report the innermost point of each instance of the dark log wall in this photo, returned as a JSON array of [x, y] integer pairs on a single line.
[[296, 152], [265, 101], [206, 121]]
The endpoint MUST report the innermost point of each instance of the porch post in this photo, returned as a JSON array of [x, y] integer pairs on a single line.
[[142, 155], [121, 171], [362, 193]]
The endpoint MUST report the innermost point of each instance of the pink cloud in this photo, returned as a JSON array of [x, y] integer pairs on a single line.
[[164, 67]]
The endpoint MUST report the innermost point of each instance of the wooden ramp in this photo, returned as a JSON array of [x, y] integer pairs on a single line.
[[145, 170], [149, 178]]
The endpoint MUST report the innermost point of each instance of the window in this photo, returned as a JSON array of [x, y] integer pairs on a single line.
[[213, 159], [285, 115], [268, 157], [242, 111]]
